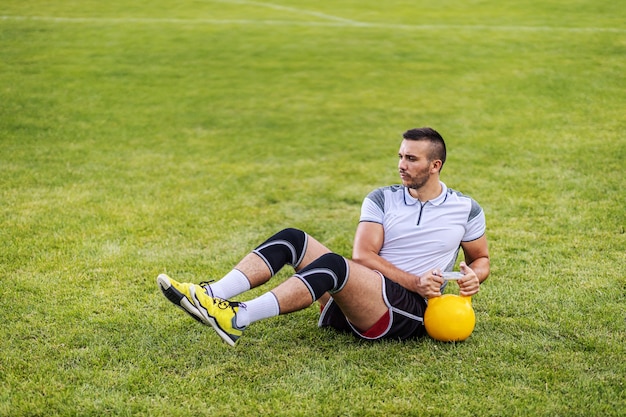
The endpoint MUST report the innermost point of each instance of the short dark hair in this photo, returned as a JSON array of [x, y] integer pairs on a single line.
[[438, 148]]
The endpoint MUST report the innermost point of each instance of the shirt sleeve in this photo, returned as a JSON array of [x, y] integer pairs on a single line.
[[372, 209], [476, 223]]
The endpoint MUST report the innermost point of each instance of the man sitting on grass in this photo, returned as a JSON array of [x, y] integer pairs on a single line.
[[407, 236]]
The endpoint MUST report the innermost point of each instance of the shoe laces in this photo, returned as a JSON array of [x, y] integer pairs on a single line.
[[227, 304], [220, 302], [207, 287]]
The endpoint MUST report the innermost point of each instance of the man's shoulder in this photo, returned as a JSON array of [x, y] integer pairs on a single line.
[[474, 207], [379, 195]]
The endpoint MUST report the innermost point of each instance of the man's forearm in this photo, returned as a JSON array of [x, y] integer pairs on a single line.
[[481, 268], [377, 263]]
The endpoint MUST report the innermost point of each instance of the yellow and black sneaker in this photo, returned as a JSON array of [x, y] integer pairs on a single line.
[[215, 312]]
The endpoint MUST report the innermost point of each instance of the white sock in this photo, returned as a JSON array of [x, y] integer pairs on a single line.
[[262, 307], [233, 283]]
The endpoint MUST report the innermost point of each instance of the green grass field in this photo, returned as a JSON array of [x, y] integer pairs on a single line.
[[151, 136]]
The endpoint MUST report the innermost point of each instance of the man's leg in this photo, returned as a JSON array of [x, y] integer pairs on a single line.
[[204, 302], [356, 289]]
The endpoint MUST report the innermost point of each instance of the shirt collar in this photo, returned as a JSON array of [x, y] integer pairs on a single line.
[[409, 200]]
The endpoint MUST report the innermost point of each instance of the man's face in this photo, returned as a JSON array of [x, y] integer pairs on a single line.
[[413, 165]]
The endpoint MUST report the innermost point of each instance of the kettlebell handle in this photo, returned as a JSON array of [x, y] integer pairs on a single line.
[[454, 276]]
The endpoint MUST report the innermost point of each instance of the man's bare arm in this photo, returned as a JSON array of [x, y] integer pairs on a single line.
[[476, 266]]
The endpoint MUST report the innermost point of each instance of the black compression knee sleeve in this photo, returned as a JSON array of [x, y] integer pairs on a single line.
[[286, 247], [328, 273]]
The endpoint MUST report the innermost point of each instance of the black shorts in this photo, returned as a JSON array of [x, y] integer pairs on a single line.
[[406, 311]]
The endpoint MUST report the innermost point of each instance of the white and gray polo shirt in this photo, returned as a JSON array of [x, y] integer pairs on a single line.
[[420, 236]]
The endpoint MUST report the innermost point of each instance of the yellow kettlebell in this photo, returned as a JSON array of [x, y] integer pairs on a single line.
[[449, 318]]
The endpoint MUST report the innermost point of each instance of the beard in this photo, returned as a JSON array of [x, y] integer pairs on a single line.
[[416, 181]]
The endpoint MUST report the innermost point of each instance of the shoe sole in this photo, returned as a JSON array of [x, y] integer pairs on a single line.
[[177, 298], [208, 319]]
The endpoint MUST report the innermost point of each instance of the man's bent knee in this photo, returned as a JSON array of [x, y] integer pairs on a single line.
[[328, 273], [286, 247]]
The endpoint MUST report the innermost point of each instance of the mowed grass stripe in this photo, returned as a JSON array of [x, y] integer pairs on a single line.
[[342, 23], [288, 9]]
